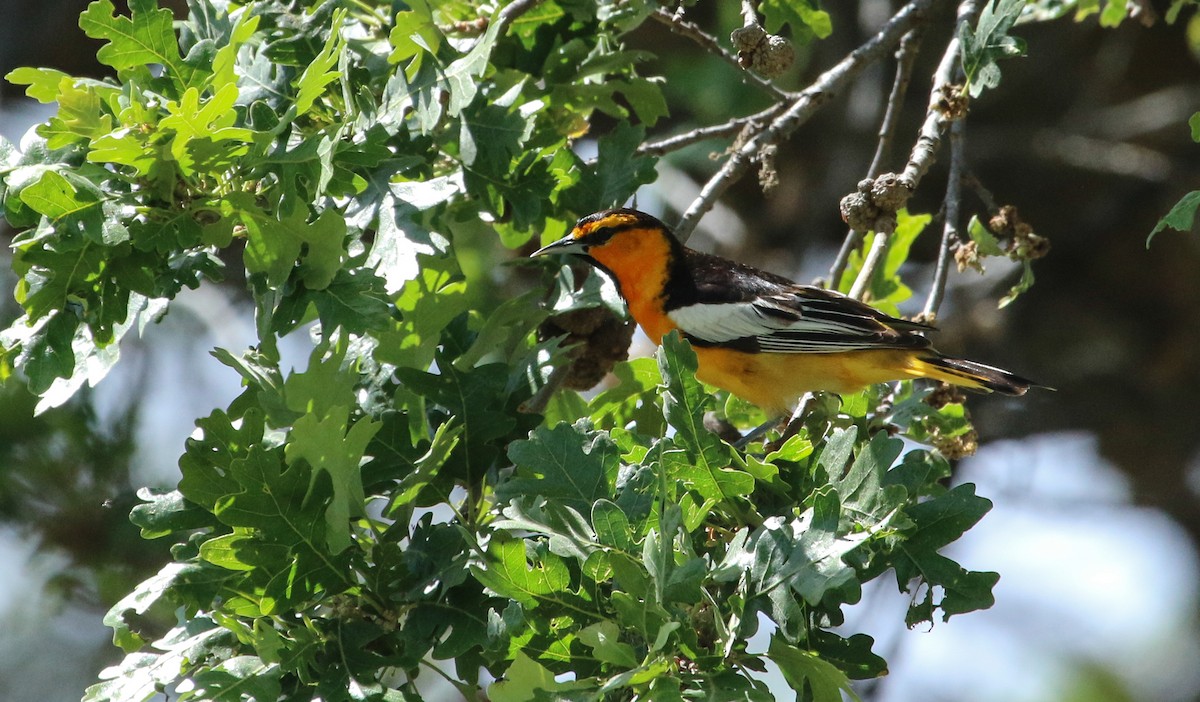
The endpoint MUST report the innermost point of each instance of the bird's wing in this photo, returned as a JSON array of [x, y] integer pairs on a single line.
[[796, 319]]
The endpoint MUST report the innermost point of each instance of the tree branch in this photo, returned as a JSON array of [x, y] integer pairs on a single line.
[[906, 57], [944, 106], [728, 129], [514, 10], [541, 399], [985, 196], [827, 86], [875, 204], [950, 229], [709, 43], [878, 249]]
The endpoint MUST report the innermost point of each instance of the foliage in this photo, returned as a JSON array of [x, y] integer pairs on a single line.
[[989, 41], [1182, 217], [389, 509]]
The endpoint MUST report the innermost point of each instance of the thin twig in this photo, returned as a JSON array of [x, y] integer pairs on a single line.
[[730, 128], [939, 115], [709, 43], [796, 421], [749, 13], [849, 244], [950, 229], [514, 10], [985, 196], [906, 58], [538, 402], [930, 136], [827, 86], [862, 283]]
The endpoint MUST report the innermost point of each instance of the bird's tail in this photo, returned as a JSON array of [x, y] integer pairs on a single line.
[[972, 375]]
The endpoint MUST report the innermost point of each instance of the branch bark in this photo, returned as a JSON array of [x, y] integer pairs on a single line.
[[906, 56], [950, 230], [805, 103], [709, 43], [875, 204], [728, 129], [514, 10]]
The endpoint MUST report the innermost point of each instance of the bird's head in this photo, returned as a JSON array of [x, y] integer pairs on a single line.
[[610, 234]]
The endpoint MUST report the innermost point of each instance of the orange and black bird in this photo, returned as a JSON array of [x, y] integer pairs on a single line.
[[758, 335]]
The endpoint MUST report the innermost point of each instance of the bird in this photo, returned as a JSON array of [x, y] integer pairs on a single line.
[[761, 336]]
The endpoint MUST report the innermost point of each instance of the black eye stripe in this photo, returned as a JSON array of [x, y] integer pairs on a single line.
[[600, 235]]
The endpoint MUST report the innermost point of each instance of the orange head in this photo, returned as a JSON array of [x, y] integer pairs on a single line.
[[627, 244], [637, 251]]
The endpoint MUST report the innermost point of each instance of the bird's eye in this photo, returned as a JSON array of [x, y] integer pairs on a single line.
[[600, 235]]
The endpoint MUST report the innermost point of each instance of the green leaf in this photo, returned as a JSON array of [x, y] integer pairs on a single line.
[[492, 132], [569, 534], [1182, 216], [808, 674], [505, 330], [198, 127], [145, 37], [57, 198], [486, 404], [401, 241], [645, 96], [852, 655], [707, 467], [525, 679], [323, 69], [462, 75], [985, 240], [572, 465], [510, 573], [888, 290], [166, 512], [603, 638], [425, 468], [43, 82], [434, 296], [864, 498], [143, 597], [1114, 13], [616, 175], [238, 678], [989, 42], [804, 16], [631, 399], [333, 445], [804, 554], [611, 526], [675, 571], [938, 522], [354, 301], [273, 247], [414, 32]]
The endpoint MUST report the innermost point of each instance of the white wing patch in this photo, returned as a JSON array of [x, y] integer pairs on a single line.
[[723, 322], [789, 324]]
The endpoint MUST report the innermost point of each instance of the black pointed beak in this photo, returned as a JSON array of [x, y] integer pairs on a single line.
[[566, 245]]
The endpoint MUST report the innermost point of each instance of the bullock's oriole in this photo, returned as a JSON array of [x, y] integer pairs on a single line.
[[758, 335]]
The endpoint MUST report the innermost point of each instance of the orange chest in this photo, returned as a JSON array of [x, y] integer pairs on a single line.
[[640, 269], [649, 315]]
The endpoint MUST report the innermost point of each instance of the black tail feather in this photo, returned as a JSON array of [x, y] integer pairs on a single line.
[[982, 376]]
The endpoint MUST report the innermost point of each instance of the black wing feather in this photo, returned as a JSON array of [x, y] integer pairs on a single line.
[[720, 302]]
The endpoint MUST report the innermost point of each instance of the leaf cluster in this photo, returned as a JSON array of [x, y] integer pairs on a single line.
[[388, 509]]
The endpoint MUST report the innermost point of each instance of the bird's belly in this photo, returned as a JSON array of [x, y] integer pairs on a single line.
[[774, 381]]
